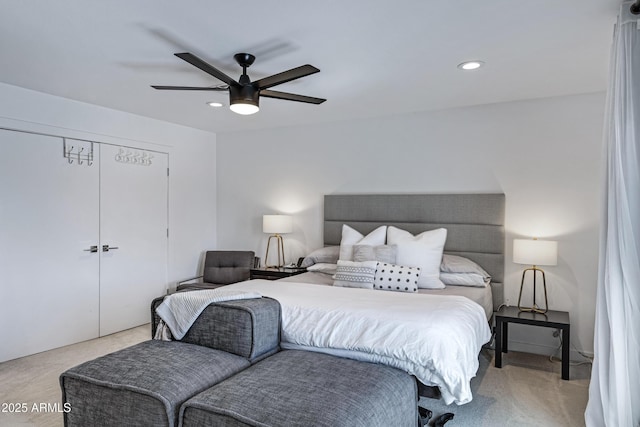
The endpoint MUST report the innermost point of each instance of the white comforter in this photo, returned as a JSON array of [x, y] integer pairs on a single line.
[[437, 338]]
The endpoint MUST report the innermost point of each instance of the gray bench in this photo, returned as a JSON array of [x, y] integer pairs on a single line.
[[302, 388], [228, 371], [144, 384]]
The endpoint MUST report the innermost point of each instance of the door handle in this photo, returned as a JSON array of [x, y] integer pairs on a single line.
[[106, 248], [91, 249]]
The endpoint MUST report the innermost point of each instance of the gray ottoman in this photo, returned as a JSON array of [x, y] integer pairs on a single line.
[[301, 388], [144, 384], [249, 328]]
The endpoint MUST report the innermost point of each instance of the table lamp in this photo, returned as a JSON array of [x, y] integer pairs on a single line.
[[535, 252], [276, 225]]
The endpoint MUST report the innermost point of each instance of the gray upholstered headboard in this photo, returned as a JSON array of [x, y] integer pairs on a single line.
[[474, 223]]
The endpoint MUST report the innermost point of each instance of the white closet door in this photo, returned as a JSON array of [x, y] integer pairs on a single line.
[[133, 218], [48, 219]]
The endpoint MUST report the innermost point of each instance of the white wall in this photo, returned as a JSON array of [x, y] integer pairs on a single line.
[[192, 183], [543, 154]]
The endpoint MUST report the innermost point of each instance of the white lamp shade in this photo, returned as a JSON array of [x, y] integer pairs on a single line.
[[277, 224], [535, 252]]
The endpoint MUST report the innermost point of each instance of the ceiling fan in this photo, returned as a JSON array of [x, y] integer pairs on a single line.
[[244, 95]]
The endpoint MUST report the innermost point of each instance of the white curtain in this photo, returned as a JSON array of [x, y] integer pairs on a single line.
[[614, 391]]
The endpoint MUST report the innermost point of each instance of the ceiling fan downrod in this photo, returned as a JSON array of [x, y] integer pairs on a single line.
[[244, 60]]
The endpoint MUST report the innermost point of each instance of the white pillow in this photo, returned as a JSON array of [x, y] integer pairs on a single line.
[[391, 277], [355, 274], [352, 237], [423, 250], [323, 267]]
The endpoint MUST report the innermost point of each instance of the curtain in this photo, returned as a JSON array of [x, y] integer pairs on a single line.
[[614, 391]]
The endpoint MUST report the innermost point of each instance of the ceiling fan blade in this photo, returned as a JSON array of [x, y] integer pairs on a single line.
[[291, 97], [188, 88], [285, 76], [207, 68]]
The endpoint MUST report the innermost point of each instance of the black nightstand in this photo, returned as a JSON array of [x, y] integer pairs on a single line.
[[275, 273], [550, 319]]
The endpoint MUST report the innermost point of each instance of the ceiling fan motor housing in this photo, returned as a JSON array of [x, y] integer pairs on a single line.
[[246, 94]]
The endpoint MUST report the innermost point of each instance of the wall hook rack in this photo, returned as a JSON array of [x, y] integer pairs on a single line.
[[135, 157], [79, 154], [67, 154]]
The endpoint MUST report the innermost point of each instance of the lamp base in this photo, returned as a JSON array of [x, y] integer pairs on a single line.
[[280, 246], [534, 308]]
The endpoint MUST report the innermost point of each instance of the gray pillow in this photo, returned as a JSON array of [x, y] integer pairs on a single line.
[[381, 253], [458, 264], [326, 255], [323, 267], [461, 271], [465, 279]]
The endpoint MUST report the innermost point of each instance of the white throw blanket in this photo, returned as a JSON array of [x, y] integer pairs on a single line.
[[437, 338], [178, 311]]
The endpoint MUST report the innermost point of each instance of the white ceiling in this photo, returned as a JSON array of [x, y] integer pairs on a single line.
[[376, 58]]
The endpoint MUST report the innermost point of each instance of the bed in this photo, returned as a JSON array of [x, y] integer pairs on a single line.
[[435, 335]]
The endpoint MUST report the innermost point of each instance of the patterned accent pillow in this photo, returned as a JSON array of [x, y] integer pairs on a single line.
[[351, 274], [391, 277]]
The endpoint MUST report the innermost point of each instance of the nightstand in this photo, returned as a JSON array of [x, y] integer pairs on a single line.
[[550, 319], [275, 273]]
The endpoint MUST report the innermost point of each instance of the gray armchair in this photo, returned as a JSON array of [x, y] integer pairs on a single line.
[[222, 268]]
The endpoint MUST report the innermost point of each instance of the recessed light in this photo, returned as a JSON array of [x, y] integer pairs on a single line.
[[470, 65], [214, 104]]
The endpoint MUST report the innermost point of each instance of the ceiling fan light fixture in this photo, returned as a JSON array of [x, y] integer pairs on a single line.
[[470, 65], [244, 109], [244, 99]]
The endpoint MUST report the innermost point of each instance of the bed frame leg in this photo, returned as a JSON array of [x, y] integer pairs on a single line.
[[424, 415]]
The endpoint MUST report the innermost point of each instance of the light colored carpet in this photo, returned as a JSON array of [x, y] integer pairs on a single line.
[[527, 391], [34, 379]]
